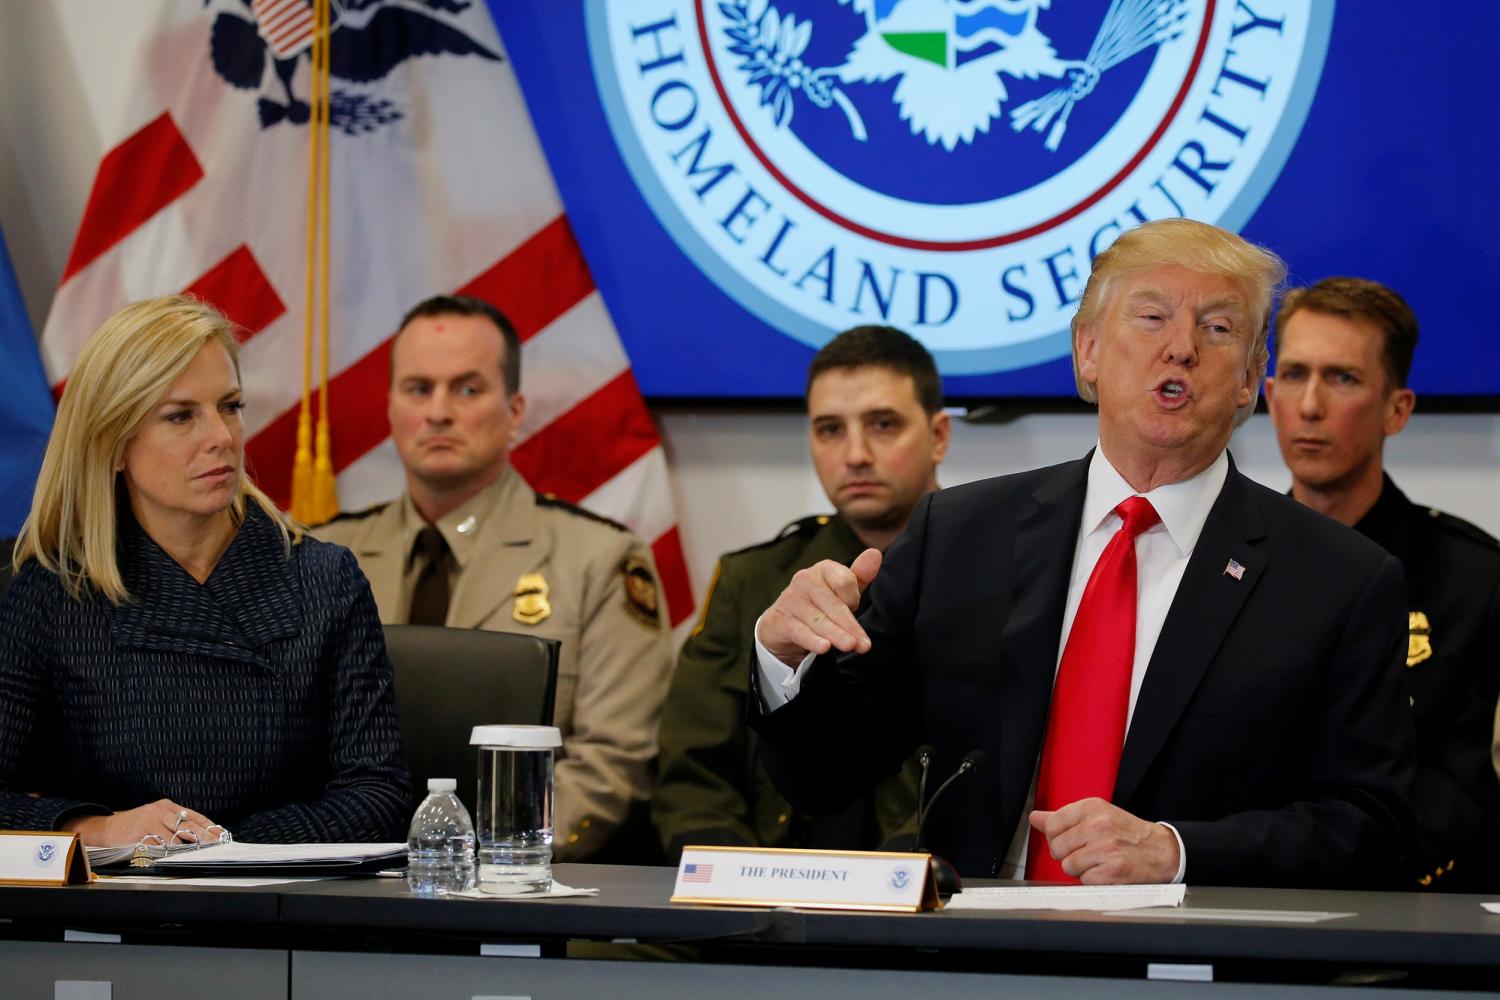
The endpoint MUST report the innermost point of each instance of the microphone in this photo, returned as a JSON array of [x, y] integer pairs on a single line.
[[944, 875], [924, 759], [974, 760]]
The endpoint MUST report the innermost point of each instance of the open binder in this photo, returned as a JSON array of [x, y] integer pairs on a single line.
[[237, 858]]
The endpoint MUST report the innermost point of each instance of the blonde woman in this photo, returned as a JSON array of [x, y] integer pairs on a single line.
[[174, 654]]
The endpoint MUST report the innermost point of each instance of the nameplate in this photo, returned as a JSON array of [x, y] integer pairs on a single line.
[[36, 858], [822, 880]]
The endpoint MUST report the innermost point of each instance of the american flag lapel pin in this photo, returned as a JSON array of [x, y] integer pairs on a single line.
[[1235, 570]]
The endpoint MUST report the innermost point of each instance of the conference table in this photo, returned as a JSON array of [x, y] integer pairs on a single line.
[[370, 938]]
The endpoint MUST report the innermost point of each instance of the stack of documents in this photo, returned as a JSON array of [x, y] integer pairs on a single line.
[[242, 859]]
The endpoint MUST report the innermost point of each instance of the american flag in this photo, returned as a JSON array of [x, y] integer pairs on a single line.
[[286, 25], [697, 873], [1235, 570], [438, 184]]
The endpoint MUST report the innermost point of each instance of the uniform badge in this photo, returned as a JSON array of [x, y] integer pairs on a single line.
[[532, 606], [640, 592], [1419, 639]]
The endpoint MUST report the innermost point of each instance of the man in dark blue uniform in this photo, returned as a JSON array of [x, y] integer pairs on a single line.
[[1343, 353]]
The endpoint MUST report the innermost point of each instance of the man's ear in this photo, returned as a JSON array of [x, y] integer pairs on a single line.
[[1247, 391], [942, 433], [1398, 409], [1085, 351], [517, 404]]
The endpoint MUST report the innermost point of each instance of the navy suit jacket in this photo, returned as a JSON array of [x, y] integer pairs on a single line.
[[262, 697], [1271, 728]]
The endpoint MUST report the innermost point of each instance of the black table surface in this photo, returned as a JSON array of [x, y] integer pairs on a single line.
[[632, 903], [161, 902], [1393, 929]]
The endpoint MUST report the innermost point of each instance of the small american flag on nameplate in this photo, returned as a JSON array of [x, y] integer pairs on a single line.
[[697, 873]]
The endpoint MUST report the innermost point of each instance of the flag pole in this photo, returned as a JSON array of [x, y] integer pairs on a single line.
[[325, 485], [302, 463]]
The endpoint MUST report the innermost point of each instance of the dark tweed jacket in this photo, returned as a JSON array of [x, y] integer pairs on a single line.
[[262, 698]]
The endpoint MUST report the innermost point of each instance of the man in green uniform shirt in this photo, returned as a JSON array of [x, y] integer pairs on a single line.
[[877, 431], [1343, 353]]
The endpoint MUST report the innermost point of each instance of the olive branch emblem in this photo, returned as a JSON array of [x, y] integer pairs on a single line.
[[770, 46]]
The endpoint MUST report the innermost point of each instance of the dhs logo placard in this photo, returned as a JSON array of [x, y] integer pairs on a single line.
[[948, 166]]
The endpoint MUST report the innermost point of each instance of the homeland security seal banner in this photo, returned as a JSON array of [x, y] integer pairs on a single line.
[[950, 167]]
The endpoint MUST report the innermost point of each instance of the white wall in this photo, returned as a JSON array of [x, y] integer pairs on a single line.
[[739, 473]]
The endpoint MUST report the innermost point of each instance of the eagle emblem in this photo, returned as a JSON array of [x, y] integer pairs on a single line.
[[369, 39], [950, 60]]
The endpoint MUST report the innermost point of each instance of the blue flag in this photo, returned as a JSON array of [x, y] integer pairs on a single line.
[[25, 403]]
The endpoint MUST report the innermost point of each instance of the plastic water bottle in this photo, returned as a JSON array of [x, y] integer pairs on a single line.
[[440, 845]]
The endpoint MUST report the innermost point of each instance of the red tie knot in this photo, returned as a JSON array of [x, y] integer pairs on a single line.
[[1138, 515]]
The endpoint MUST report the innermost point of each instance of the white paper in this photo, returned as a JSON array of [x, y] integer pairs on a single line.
[[100, 857], [233, 883], [1492, 907], [1066, 897], [558, 890], [1262, 916], [238, 853]]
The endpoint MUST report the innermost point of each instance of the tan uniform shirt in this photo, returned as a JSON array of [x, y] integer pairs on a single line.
[[580, 579]]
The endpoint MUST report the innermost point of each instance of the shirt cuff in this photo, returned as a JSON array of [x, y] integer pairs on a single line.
[[779, 683], [1181, 855]]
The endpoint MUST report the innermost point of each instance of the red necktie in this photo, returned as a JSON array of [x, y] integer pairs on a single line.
[[1086, 724]]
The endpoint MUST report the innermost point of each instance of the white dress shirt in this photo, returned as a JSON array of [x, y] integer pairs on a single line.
[[1161, 552]]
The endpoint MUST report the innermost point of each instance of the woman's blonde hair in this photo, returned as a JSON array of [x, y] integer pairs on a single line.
[[1196, 246], [121, 375]]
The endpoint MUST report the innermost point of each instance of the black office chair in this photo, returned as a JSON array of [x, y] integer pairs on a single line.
[[449, 680], [7, 548]]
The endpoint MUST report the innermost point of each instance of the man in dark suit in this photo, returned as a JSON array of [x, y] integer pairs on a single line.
[[1344, 349], [1176, 674]]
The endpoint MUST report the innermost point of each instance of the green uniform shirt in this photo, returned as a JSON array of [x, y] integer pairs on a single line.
[[711, 787]]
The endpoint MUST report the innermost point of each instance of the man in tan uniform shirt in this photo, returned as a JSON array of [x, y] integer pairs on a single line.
[[517, 561]]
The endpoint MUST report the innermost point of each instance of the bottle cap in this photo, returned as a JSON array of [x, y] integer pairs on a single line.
[[516, 737], [441, 784]]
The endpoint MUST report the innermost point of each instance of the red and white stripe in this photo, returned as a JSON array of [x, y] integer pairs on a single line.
[[286, 25], [182, 202]]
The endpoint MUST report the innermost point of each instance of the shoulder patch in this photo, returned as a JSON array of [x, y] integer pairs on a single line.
[[549, 500], [359, 515], [641, 599], [1458, 526]]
